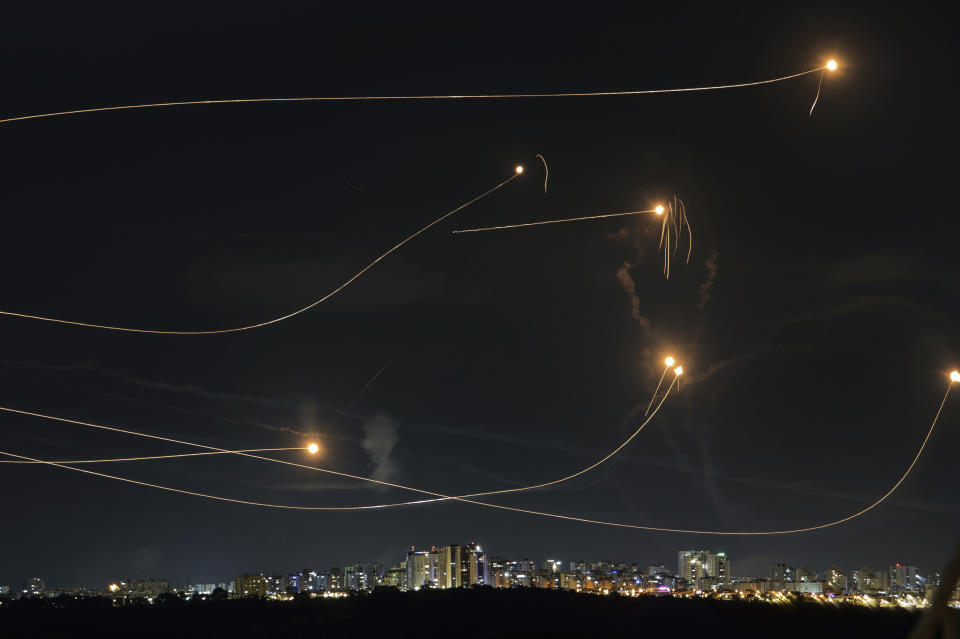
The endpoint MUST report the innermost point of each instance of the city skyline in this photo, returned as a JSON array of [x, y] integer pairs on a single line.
[[424, 566]]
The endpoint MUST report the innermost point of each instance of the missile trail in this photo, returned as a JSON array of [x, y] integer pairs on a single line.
[[508, 508], [384, 98], [275, 320]]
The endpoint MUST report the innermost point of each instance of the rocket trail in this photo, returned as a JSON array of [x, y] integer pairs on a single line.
[[955, 377], [153, 457], [437, 496], [275, 320], [566, 219], [374, 98]]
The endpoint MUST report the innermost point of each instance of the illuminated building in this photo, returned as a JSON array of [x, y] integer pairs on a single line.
[[865, 581], [276, 584], [335, 580], [904, 577], [552, 565], [837, 580], [254, 585], [361, 577], [499, 572], [703, 567], [418, 569], [452, 566], [448, 574], [35, 587], [395, 577], [294, 583], [782, 577], [297, 582], [201, 589], [475, 562]]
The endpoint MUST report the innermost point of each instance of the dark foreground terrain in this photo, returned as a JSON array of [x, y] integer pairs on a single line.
[[452, 613]]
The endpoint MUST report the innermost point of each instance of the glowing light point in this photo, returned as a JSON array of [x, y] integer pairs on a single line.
[[832, 65], [678, 370], [313, 449], [669, 361], [955, 376], [113, 587], [659, 209], [519, 170]]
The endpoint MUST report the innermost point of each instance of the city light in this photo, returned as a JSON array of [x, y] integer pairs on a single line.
[[669, 361], [313, 449], [659, 209], [832, 65], [678, 370], [519, 170], [955, 376]]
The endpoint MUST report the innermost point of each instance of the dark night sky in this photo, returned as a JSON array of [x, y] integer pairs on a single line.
[[816, 315]]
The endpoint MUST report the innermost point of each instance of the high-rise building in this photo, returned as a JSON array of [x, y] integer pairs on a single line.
[[418, 569], [836, 579], [475, 562], [865, 581], [904, 577], [362, 576], [703, 567], [724, 568]]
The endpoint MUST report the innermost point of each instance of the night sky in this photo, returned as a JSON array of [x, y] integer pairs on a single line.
[[816, 319]]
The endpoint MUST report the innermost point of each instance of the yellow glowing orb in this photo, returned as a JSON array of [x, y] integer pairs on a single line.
[[678, 370], [114, 587], [659, 209], [313, 448], [670, 361], [832, 65], [955, 376], [519, 170]]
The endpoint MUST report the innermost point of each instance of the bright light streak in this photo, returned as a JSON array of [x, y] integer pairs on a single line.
[[476, 96], [282, 317], [463, 498], [153, 457], [832, 65], [437, 496], [566, 219]]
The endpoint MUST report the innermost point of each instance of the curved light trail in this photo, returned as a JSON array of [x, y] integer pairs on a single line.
[[437, 496], [954, 377], [374, 98], [237, 329]]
